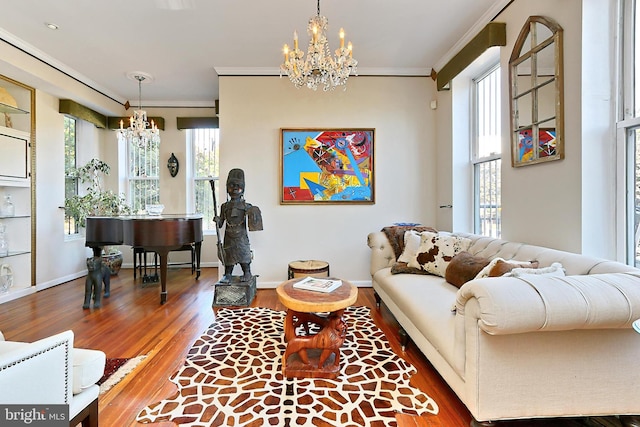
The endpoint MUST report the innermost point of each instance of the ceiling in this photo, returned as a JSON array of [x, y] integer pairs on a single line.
[[186, 44]]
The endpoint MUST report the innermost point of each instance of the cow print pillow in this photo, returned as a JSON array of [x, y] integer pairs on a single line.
[[436, 250]]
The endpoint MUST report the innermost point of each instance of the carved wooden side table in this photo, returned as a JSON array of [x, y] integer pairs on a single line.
[[314, 355]]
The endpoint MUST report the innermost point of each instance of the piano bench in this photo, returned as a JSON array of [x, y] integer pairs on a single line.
[[140, 262], [140, 259], [188, 247]]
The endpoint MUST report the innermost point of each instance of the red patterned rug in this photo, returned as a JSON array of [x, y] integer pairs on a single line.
[[116, 369], [232, 376]]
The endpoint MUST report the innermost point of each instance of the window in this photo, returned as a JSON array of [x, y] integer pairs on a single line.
[[143, 175], [486, 154], [70, 181], [629, 124], [204, 147]]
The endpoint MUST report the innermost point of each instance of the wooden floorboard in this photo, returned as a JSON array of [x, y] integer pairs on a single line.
[[132, 322]]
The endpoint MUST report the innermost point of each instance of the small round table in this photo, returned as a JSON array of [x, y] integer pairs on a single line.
[[314, 355]]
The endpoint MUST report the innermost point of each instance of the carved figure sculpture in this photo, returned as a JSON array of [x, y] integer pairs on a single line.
[[98, 274], [235, 213], [329, 340]]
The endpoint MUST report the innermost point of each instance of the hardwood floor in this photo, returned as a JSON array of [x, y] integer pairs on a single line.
[[132, 322]]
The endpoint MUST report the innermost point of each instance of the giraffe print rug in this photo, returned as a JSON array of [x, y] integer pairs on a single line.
[[232, 376]]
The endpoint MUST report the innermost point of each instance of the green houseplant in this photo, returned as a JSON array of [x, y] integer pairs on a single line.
[[96, 201]]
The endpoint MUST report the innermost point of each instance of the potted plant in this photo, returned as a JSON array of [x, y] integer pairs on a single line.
[[96, 201]]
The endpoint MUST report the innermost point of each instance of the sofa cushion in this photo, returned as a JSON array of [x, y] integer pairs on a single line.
[[437, 250], [88, 368], [464, 267]]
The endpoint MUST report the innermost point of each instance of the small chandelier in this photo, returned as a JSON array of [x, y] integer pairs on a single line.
[[319, 68], [140, 132]]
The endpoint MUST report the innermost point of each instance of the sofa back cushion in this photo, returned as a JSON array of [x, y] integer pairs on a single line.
[[574, 264]]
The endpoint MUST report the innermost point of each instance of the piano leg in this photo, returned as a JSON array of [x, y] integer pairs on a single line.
[[198, 246], [164, 254]]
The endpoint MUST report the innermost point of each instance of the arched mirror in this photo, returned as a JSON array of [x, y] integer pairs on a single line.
[[536, 92]]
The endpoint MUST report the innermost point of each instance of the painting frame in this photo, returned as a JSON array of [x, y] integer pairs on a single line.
[[327, 166]]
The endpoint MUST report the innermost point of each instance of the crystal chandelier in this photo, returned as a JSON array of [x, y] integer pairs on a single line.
[[319, 68], [140, 132]]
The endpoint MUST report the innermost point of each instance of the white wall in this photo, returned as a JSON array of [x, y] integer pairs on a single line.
[[569, 204], [542, 202], [252, 113], [57, 259]]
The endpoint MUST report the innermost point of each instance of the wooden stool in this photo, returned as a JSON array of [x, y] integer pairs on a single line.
[[303, 268]]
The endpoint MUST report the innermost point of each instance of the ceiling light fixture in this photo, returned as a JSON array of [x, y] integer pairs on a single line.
[[51, 25], [319, 68], [140, 132]]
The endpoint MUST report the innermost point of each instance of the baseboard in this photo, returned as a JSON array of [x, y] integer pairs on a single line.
[[60, 280]]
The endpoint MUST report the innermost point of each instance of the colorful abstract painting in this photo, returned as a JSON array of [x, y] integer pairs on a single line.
[[546, 145], [327, 166]]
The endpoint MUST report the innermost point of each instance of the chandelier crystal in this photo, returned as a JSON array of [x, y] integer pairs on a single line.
[[140, 132], [319, 68]]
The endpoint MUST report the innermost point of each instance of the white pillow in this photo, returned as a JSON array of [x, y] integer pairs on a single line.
[[487, 269], [411, 245], [554, 269], [436, 251]]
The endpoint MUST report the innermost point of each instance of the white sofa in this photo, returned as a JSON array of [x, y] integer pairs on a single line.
[[51, 371], [530, 347]]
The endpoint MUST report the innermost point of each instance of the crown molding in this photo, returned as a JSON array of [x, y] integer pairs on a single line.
[[487, 17], [59, 66], [273, 71], [179, 104]]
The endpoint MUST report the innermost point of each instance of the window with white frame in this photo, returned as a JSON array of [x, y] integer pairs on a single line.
[[205, 151], [629, 123], [486, 153], [143, 175], [70, 180]]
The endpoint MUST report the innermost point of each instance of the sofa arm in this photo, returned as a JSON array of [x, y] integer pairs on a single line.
[[509, 305], [37, 372], [382, 255]]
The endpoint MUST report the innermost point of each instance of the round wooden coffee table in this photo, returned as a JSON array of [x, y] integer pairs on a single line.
[[314, 355]]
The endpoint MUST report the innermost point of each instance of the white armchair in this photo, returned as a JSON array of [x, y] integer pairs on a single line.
[[51, 371]]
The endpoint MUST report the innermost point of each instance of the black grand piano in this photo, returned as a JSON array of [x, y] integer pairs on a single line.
[[154, 233]]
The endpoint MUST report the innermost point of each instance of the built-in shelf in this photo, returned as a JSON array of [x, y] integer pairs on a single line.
[[17, 155], [5, 108], [15, 253]]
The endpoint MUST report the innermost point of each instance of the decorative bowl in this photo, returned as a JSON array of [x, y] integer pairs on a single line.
[[155, 209]]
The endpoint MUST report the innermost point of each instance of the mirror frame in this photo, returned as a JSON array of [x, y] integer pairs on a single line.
[[534, 129]]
